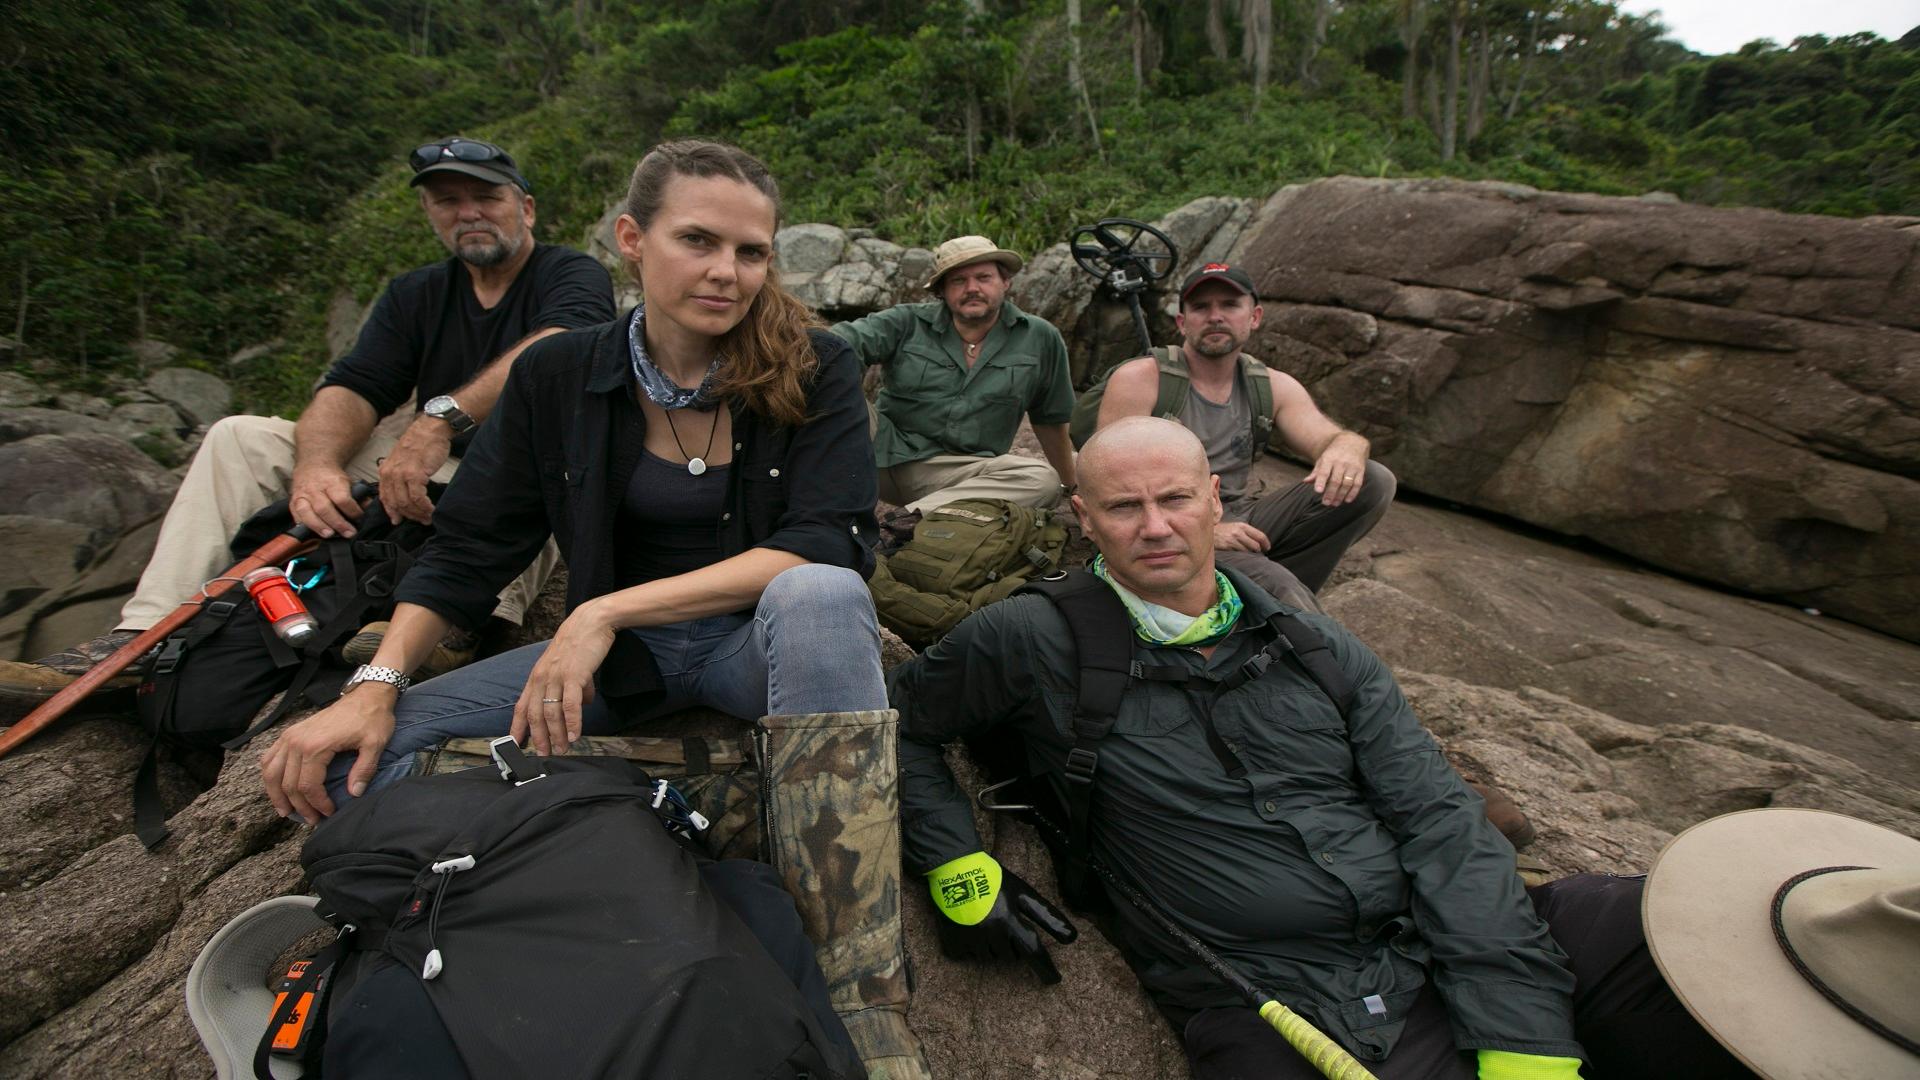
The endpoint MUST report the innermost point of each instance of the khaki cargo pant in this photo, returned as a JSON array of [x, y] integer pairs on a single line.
[[244, 464], [945, 478]]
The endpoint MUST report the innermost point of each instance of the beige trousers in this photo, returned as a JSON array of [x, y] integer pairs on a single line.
[[944, 478], [245, 463]]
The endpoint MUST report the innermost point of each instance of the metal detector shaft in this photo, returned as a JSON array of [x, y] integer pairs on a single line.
[[1140, 324], [294, 541], [1325, 1055]]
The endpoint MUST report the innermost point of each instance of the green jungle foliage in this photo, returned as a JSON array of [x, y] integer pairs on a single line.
[[213, 174]]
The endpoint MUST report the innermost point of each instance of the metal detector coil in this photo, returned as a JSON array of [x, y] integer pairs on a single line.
[[1128, 257]]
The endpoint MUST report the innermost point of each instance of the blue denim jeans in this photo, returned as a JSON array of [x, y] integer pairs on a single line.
[[811, 646]]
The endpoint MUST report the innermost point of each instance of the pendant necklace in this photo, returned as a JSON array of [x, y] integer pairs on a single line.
[[695, 465]]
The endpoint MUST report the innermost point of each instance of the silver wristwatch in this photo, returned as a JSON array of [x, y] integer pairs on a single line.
[[445, 408], [393, 677]]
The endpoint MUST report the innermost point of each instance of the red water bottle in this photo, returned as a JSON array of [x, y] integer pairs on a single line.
[[280, 605]]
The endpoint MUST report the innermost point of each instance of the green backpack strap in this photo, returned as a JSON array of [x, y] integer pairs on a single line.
[[1167, 402], [1174, 381], [1258, 386]]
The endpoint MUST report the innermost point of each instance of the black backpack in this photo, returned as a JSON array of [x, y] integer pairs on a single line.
[[215, 673], [556, 928], [1060, 805]]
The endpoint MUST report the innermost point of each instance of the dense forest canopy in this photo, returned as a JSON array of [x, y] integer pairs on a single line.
[[209, 173]]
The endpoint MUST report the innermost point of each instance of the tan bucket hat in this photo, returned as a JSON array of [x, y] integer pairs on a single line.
[[967, 250], [1793, 936]]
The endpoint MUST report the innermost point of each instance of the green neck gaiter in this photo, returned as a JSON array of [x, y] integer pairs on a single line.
[[1158, 625]]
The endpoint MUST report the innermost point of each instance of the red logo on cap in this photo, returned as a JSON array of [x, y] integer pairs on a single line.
[[1211, 267]]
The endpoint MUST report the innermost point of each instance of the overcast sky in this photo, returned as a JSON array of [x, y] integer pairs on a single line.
[[1722, 26]]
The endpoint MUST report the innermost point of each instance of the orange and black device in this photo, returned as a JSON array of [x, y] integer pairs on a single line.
[[307, 987]]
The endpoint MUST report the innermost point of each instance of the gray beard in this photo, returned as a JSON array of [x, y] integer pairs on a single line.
[[486, 255]]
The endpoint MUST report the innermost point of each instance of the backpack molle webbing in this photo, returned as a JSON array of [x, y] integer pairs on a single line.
[[963, 556]]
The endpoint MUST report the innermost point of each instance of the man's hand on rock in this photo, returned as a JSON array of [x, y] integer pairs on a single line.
[[422, 449], [294, 768], [1340, 470], [321, 498], [1239, 536]]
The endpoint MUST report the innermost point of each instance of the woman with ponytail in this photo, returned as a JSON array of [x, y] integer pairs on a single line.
[[704, 464]]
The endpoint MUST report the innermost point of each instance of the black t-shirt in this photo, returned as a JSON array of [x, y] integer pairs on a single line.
[[428, 336], [669, 522]]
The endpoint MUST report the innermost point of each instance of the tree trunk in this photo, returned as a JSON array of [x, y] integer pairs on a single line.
[[1256, 42], [975, 8], [1316, 40], [1478, 76], [1450, 108], [1076, 78], [1411, 28], [20, 316], [1137, 24], [1217, 29], [1534, 19]]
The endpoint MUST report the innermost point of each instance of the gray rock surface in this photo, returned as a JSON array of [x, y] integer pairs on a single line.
[[86, 604], [17, 390], [27, 421], [91, 480], [808, 249], [200, 398], [1730, 394], [42, 554]]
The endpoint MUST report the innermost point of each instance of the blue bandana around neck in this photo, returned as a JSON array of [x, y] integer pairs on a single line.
[[1157, 624], [654, 383]]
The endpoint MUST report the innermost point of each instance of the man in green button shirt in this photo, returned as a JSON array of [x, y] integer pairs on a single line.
[[960, 372]]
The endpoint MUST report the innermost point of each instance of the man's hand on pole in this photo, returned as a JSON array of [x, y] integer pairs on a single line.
[[321, 498], [418, 454], [987, 910]]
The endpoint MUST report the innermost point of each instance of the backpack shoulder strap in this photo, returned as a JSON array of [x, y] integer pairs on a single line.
[[1174, 381], [1309, 650], [1103, 642], [1259, 388]]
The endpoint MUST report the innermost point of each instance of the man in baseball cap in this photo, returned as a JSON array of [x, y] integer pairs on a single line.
[[442, 338], [960, 373], [1289, 540]]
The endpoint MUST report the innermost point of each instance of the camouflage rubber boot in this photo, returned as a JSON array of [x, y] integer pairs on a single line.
[[831, 824]]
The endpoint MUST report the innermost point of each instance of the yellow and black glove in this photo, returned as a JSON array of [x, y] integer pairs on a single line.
[[987, 910]]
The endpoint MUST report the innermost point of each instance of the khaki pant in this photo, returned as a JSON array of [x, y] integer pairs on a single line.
[[245, 463], [936, 481]]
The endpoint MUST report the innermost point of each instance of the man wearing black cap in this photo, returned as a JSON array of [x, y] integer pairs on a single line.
[[443, 335], [1287, 541]]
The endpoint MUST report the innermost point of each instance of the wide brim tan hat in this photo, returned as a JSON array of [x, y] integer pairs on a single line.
[[227, 995], [967, 250], [1709, 918]]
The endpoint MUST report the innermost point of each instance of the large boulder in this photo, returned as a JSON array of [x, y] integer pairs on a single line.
[[28, 421], [1729, 394], [92, 480], [42, 553], [199, 397], [1726, 393]]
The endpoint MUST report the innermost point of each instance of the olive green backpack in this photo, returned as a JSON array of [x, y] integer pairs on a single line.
[[963, 556], [1172, 396]]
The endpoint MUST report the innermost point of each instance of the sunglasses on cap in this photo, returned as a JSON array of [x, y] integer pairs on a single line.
[[469, 151]]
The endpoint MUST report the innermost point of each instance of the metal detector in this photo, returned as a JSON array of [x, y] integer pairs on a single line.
[[1128, 257]]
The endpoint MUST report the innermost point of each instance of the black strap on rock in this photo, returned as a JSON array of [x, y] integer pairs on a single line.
[[1103, 639], [149, 812]]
